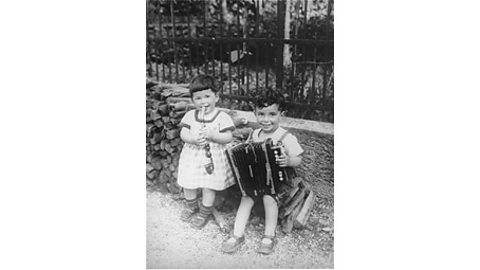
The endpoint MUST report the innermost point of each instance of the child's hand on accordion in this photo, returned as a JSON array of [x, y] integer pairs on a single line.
[[283, 160]]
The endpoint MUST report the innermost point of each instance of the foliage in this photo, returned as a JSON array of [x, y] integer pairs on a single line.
[[316, 27], [239, 13], [243, 18]]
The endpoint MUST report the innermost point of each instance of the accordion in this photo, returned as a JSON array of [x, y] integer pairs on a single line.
[[255, 169]]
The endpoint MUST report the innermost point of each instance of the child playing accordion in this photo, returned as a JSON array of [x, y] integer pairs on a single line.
[[269, 107]]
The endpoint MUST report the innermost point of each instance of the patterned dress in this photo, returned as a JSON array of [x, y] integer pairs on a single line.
[[191, 166]]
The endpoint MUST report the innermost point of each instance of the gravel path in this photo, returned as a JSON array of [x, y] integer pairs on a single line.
[[174, 244]]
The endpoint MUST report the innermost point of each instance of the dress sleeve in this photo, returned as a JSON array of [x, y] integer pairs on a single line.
[[292, 147], [187, 119], [226, 123]]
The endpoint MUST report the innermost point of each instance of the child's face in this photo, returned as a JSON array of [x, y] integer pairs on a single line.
[[206, 98], [268, 117]]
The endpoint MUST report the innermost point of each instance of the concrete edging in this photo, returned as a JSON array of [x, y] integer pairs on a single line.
[[288, 122]]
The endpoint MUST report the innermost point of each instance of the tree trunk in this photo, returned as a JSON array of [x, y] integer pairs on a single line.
[[329, 9], [227, 17], [287, 56]]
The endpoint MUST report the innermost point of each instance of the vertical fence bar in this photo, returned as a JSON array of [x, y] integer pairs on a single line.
[[325, 83], [257, 52], [170, 76], [304, 58], [169, 45], [190, 44], [197, 48], [331, 82], [239, 72], [329, 9], [239, 52], [281, 6], [303, 70], [174, 30], [229, 48], [266, 63], [212, 47], [182, 52], [229, 56], [205, 44], [156, 50], [245, 49], [151, 39], [257, 12], [312, 90], [159, 44], [305, 19], [197, 56], [247, 60], [219, 4], [149, 63], [293, 78], [295, 51], [205, 55]]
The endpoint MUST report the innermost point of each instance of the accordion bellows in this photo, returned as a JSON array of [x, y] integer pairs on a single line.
[[254, 167]]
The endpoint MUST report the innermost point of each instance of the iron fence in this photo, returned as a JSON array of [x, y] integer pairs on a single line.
[[245, 47]]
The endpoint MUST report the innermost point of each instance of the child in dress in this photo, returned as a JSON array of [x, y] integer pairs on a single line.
[[269, 107], [203, 163]]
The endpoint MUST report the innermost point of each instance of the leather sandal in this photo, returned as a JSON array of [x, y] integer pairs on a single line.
[[199, 221], [267, 248], [229, 246], [187, 214]]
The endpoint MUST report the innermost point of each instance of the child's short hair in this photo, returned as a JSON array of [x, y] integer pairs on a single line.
[[269, 97], [202, 82]]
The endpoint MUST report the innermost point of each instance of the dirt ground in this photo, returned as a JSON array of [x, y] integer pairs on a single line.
[[172, 243]]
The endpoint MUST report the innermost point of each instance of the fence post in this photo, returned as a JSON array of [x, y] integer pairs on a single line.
[[281, 4]]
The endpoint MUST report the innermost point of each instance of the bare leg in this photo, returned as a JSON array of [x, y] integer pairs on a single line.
[[206, 208], [243, 213], [190, 194], [271, 215], [208, 197], [233, 243], [192, 204]]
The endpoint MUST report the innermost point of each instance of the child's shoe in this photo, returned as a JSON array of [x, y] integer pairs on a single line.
[[267, 244], [233, 244], [192, 209], [202, 218], [187, 214]]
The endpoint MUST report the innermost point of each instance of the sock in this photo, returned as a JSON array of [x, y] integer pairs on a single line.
[[192, 204], [205, 211]]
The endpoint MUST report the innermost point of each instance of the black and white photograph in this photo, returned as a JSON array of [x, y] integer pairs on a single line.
[[239, 134], [239, 154]]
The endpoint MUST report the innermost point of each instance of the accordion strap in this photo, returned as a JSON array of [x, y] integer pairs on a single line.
[[283, 136], [250, 136]]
